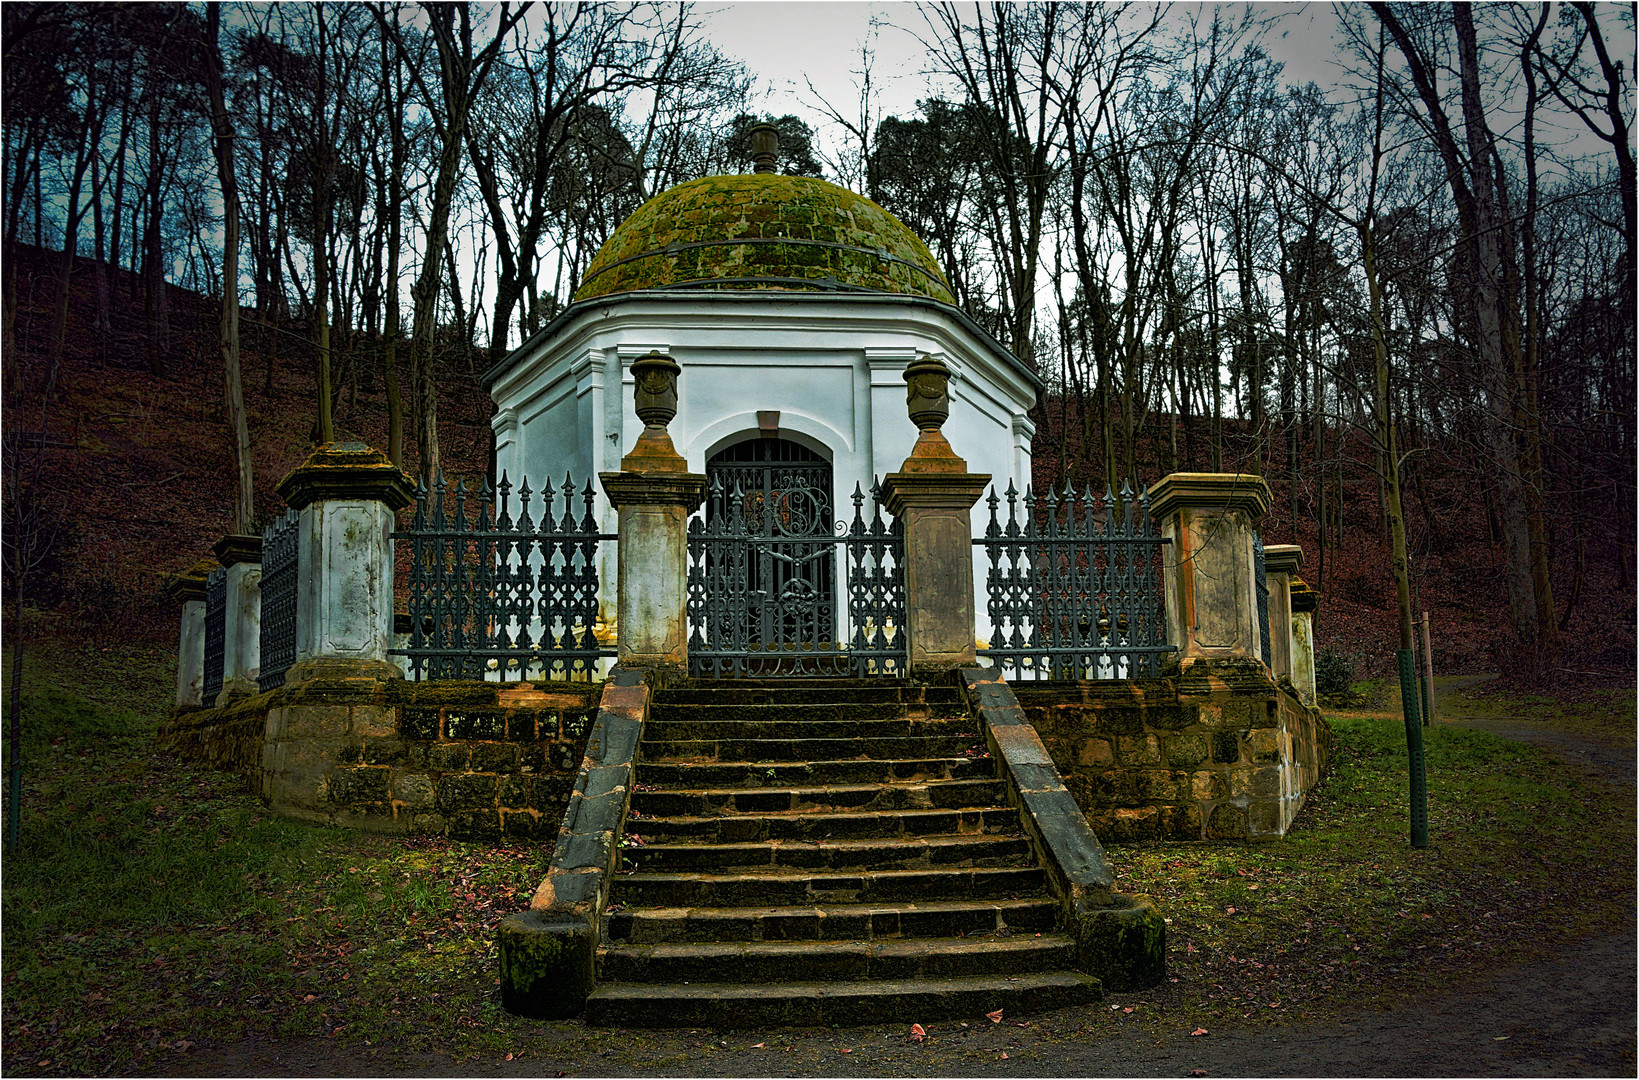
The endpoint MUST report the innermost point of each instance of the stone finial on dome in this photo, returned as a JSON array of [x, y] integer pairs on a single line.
[[765, 147]]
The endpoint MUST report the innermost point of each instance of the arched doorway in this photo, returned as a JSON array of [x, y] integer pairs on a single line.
[[763, 563]]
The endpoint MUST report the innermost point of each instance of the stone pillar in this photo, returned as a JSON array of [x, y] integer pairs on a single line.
[[1209, 582], [346, 494], [1280, 562], [1304, 602], [654, 493], [241, 557], [188, 588], [932, 494]]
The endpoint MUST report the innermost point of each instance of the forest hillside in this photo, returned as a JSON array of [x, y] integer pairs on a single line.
[[126, 476]]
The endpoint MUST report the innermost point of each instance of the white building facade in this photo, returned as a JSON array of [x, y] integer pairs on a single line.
[[815, 362]]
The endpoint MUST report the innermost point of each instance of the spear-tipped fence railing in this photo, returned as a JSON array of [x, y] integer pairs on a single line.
[[216, 625], [498, 594], [278, 644], [1074, 586]]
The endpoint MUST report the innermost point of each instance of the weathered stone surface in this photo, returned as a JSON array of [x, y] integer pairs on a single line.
[[1227, 822], [414, 790], [1123, 946], [494, 757], [448, 757], [466, 791], [1138, 750], [474, 724], [1186, 751], [385, 752], [359, 785], [316, 722], [375, 721]]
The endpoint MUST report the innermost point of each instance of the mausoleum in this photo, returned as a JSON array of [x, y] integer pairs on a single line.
[[793, 307]]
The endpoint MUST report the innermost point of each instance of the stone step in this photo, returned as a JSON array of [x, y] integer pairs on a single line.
[[934, 794], [774, 961], [856, 712], [925, 746], [831, 922], [847, 692], [764, 773], [905, 853], [773, 888], [780, 726], [866, 1001], [805, 692], [756, 828]]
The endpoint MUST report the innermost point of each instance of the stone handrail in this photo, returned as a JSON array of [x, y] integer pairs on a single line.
[[1120, 939], [549, 952]]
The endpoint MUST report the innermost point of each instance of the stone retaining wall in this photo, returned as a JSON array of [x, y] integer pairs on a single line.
[[468, 760], [1219, 753]]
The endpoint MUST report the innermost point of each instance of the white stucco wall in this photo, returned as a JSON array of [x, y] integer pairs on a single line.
[[830, 364]]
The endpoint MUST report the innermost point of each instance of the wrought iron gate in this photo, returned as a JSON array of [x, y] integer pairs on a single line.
[[765, 558]]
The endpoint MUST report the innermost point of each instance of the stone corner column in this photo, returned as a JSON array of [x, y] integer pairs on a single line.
[[1280, 563], [241, 557], [1209, 573], [188, 589], [1304, 602], [346, 495], [653, 494], [933, 495]]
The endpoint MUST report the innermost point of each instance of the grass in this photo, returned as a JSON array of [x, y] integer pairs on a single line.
[[153, 905]]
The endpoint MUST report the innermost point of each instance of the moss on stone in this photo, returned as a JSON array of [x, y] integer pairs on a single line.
[[717, 209], [1124, 947]]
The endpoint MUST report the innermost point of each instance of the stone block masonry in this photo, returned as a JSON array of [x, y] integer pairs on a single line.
[[473, 761], [1219, 753]]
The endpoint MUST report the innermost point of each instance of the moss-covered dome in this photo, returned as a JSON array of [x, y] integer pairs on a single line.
[[763, 231]]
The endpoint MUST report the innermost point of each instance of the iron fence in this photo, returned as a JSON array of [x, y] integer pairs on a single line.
[[278, 643], [498, 595], [216, 618], [1074, 586], [763, 596]]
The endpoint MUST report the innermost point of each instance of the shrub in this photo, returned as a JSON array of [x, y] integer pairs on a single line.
[[1334, 673]]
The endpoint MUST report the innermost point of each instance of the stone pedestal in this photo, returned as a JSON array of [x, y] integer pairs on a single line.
[[1280, 563], [188, 588], [346, 494], [933, 494], [241, 557], [654, 493], [1209, 577], [1304, 602], [653, 550]]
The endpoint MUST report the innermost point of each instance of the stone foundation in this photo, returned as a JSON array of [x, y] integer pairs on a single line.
[[1219, 753], [468, 760]]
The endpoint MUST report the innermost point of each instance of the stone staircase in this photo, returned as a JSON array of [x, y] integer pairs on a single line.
[[824, 851]]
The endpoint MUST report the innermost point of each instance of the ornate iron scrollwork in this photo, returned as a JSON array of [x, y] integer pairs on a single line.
[[765, 560]]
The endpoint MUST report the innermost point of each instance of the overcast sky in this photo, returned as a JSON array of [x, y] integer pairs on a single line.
[[784, 42]]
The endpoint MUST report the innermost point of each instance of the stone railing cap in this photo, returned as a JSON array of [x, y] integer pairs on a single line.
[[1210, 491], [189, 584], [347, 470], [1282, 558], [686, 489], [1303, 597], [233, 549]]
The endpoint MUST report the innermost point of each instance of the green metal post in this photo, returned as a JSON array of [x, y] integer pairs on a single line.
[[1414, 750]]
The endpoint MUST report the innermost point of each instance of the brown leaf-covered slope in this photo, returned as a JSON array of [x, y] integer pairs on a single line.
[[135, 468]]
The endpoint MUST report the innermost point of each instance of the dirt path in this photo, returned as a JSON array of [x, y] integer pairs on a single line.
[[1570, 1016]]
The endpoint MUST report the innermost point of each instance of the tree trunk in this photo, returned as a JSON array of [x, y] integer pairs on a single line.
[[244, 490]]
